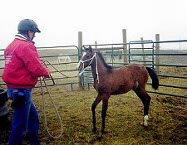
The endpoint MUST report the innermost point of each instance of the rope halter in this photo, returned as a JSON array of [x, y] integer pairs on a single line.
[[91, 60]]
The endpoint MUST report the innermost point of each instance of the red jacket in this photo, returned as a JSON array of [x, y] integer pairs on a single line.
[[22, 64]]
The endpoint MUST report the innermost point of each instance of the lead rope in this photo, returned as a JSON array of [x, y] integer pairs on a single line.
[[46, 63], [44, 110], [96, 69]]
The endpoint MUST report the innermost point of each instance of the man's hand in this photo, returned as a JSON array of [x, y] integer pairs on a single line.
[[47, 74]]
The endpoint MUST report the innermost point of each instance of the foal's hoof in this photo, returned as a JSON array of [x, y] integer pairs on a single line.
[[94, 130], [100, 136], [144, 124], [102, 132]]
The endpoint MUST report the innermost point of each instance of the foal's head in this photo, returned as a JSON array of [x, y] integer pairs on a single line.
[[87, 58]]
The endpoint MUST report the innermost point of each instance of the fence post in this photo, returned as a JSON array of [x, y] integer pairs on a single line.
[[81, 81], [80, 44], [143, 52], [95, 44], [125, 45], [157, 51]]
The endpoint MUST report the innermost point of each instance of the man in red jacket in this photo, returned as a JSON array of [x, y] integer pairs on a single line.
[[22, 69]]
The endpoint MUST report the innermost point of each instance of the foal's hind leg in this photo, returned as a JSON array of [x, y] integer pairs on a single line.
[[145, 98], [97, 101]]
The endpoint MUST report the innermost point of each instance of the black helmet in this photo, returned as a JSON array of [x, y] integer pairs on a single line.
[[26, 25]]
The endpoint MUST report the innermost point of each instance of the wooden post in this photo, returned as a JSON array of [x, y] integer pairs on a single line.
[[95, 44], [125, 45], [143, 52], [81, 78], [157, 51], [79, 44]]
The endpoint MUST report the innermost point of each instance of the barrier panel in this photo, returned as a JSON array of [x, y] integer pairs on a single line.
[[63, 71], [169, 62], [62, 62], [171, 67]]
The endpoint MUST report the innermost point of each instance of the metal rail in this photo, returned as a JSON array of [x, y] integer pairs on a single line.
[[63, 80]]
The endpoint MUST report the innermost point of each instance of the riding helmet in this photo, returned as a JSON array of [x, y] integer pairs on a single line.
[[26, 25]]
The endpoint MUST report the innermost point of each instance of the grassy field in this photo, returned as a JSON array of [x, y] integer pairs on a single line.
[[167, 123], [167, 119]]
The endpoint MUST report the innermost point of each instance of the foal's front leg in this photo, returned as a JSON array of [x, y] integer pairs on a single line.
[[104, 111], [95, 103]]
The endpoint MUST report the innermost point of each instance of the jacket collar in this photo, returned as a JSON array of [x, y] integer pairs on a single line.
[[23, 37]]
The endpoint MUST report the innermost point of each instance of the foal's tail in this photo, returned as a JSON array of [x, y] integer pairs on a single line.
[[154, 77]]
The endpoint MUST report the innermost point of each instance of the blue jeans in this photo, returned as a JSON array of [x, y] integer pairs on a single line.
[[25, 119]]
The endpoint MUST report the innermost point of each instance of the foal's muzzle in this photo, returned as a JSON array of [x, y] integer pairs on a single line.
[[80, 66]]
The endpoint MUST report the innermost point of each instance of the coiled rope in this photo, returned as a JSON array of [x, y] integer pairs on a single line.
[[44, 109], [42, 85]]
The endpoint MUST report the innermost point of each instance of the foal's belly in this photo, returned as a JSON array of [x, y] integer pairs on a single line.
[[121, 89], [114, 89], [119, 82]]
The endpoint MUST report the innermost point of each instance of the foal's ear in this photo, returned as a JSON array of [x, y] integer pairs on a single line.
[[84, 47], [90, 48]]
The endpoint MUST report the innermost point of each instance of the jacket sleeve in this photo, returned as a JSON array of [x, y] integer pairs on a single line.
[[31, 60]]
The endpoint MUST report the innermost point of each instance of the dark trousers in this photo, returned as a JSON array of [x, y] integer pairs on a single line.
[[25, 118]]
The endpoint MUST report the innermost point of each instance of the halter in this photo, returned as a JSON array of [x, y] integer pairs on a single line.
[[91, 60]]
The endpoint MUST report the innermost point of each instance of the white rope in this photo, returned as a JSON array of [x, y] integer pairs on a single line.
[[96, 69], [44, 111]]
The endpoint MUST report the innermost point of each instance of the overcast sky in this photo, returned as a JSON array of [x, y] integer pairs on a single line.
[[99, 20]]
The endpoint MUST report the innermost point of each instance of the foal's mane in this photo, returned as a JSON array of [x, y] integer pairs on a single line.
[[109, 68]]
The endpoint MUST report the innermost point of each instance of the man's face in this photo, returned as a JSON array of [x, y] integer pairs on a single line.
[[31, 35]]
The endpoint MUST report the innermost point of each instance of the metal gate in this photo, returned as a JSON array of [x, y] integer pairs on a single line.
[[61, 61], [172, 65], [167, 63], [142, 52]]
